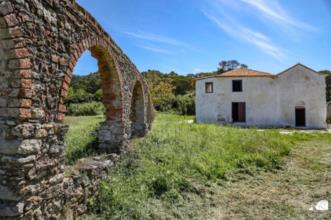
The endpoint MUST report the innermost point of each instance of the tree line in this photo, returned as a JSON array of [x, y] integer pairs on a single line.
[[169, 91]]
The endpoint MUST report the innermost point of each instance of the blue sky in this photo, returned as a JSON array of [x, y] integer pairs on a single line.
[[189, 36]]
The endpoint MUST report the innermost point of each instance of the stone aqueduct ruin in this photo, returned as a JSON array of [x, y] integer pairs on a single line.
[[40, 42]]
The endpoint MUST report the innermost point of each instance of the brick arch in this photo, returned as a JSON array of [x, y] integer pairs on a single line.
[[111, 80], [40, 42]]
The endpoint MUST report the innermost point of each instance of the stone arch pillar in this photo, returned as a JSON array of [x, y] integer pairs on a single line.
[[40, 42]]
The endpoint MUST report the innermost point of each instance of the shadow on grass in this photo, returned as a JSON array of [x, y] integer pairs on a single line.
[[89, 150]]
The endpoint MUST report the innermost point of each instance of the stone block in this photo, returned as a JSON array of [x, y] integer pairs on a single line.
[[41, 133], [6, 8], [56, 149], [56, 179], [30, 146], [28, 159], [21, 53], [23, 130], [11, 20]]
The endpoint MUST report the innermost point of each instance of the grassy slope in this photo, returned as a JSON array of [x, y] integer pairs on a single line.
[[175, 171]]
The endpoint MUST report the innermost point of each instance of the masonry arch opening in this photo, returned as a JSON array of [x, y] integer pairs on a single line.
[[137, 111], [97, 95]]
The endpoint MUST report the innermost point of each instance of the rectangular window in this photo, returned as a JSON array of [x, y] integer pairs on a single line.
[[238, 112], [237, 86], [209, 87]]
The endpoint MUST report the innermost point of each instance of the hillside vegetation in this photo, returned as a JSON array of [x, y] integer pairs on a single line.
[[170, 91]]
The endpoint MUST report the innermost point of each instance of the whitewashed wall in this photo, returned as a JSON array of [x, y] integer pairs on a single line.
[[300, 86], [270, 102]]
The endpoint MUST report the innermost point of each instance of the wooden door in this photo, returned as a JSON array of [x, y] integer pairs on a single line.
[[242, 112], [239, 112]]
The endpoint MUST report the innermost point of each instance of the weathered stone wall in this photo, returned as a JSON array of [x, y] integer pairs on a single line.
[[40, 43], [329, 110], [82, 182]]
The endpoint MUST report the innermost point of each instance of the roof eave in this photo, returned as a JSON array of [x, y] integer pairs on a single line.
[[324, 74], [271, 76]]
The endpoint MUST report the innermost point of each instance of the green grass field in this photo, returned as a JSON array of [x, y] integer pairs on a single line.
[[81, 139], [171, 173]]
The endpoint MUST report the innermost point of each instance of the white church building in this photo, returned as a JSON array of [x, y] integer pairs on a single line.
[[294, 98]]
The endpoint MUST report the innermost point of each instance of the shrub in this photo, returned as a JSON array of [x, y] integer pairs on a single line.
[[78, 96], [185, 104], [163, 105], [98, 95], [328, 120], [86, 109]]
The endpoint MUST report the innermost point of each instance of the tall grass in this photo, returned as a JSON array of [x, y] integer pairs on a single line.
[[168, 174], [157, 178], [81, 139]]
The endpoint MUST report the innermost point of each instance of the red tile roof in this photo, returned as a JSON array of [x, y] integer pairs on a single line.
[[242, 72]]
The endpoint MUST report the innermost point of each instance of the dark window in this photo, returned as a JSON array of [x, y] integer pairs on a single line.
[[238, 112], [209, 87], [237, 86]]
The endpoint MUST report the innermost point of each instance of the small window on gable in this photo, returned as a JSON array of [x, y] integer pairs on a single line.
[[237, 85], [209, 87]]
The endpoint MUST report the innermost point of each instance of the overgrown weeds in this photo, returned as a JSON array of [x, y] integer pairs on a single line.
[[171, 173], [158, 178]]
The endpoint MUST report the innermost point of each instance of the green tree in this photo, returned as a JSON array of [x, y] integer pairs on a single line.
[[229, 65], [185, 104], [162, 95]]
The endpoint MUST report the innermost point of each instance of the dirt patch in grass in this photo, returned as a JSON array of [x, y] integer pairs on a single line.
[[288, 193]]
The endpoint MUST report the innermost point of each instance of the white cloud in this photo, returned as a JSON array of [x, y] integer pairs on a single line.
[[160, 44], [157, 49], [240, 32], [157, 38], [271, 10]]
